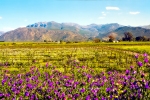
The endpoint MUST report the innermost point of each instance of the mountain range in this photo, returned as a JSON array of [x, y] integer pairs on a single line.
[[53, 31], [1, 32]]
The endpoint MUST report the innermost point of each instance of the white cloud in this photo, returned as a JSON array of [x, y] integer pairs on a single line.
[[134, 13], [112, 8], [0, 17], [101, 17]]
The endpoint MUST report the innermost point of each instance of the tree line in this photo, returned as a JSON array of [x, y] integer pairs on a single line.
[[128, 36]]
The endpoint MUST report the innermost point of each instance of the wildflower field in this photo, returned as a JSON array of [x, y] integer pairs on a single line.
[[82, 71]]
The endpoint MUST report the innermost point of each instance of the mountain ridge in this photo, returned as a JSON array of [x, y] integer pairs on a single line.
[[53, 31], [39, 34], [91, 30]]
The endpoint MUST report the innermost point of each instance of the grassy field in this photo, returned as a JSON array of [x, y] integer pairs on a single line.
[[136, 48], [99, 71]]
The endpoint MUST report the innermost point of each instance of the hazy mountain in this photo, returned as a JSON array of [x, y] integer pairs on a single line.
[[40, 34], [53, 31], [91, 30], [136, 31], [1, 32], [146, 26]]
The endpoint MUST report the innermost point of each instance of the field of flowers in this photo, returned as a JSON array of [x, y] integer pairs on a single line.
[[73, 73]]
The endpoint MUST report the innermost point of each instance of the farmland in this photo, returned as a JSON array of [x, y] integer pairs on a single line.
[[98, 71]]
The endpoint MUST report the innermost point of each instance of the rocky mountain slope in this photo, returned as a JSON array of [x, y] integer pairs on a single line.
[[40, 34]]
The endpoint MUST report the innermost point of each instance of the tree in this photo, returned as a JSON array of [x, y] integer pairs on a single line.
[[145, 38], [138, 38], [141, 38], [45, 40], [128, 36], [96, 40], [112, 37]]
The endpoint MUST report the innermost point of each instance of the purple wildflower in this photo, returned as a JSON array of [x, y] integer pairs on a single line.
[[26, 94], [47, 65], [142, 75], [137, 56], [82, 90], [145, 54], [147, 85], [146, 60], [127, 72], [139, 63], [87, 97], [134, 72], [1, 95], [20, 98], [103, 98], [30, 86], [76, 95], [108, 90], [3, 81], [131, 67]]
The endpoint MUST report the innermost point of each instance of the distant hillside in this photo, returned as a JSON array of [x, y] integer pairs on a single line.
[[87, 31], [136, 31], [40, 34], [147, 26], [1, 32], [53, 31]]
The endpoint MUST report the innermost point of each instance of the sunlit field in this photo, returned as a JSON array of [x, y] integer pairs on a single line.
[[74, 71]]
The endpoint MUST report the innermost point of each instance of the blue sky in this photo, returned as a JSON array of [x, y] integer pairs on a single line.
[[19, 13]]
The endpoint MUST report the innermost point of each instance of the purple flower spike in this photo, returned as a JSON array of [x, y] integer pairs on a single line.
[[88, 97], [146, 60], [103, 98], [147, 85], [47, 65], [139, 63], [26, 94], [131, 67], [127, 72], [134, 72], [108, 90], [136, 56], [3, 81], [142, 75], [82, 90], [145, 54], [2, 95]]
